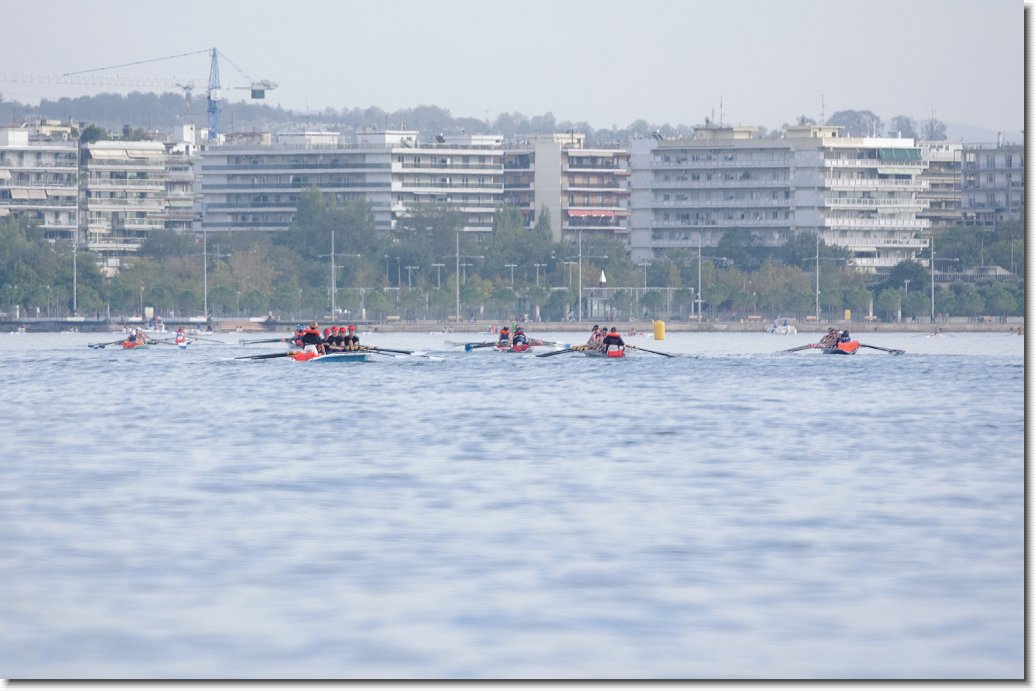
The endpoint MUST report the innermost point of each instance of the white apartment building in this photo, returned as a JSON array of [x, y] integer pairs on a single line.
[[943, 174], [993, 183], [583, 190], [465, 172], [256, 187], [39, 178], [858, 193], [123, 196]]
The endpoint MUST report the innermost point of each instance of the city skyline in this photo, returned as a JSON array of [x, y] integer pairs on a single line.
[[746, 62]]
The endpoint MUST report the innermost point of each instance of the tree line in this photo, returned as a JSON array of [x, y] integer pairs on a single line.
[[148, 112], [412, 272]]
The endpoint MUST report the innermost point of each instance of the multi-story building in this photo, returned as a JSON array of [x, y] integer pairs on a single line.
[[465, 172], [944, 180], [123, 196], [583, 190], [858, 193], [256, 187], [39, 177], [992, 183]]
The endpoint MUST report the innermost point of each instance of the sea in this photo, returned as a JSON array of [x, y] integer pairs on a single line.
[[731, 512]]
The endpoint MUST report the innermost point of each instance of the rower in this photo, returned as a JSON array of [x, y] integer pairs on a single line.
[[594, 339], [505, 336], [830, 339], [311, 340], [519, 337], [613, 341], [350, 340], [181, 337]]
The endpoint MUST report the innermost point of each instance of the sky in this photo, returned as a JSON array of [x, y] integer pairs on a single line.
[[605, 62]]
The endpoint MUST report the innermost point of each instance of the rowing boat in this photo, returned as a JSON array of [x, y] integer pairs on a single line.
[[304, 356], [516, 348], [127, 344], [611, 354], [843, 348]]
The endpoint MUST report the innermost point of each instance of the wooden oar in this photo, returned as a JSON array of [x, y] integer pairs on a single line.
[[805, 347], [894, 351], [206, 340], [265, 356], [656, 352], [485, 344], [102, 345], [284, 339], [573, 349]]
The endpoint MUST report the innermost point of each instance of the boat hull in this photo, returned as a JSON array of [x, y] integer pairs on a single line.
[[610, 355], [331, 357], [848, 348]]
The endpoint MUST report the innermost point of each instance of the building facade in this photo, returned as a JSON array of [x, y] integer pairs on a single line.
[[943, 193], [993, 183], [39, 178], [859, 193], [582, 190]]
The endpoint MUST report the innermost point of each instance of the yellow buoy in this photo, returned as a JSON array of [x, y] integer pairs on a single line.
[[659, 330]]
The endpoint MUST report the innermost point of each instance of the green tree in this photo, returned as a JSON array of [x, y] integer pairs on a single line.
[[903, 126]]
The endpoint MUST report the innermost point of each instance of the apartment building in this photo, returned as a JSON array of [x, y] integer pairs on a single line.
[[39, 178], [992, 183], [859, 193], [256, 187], [583, 190], [943, 174], [123, 196], [255, 184]]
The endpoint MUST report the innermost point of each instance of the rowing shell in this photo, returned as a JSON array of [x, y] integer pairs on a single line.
[[611, 354], [330, 357]]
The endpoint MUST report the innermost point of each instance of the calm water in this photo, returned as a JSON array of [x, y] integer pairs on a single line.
[[729, 513]]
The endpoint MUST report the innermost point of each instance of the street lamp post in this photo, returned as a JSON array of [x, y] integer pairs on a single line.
[[511, 267], [142, 303], [538, 273], [409, 284], [438, 275]]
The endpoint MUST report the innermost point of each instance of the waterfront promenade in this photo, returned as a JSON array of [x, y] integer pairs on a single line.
[[229, 325]]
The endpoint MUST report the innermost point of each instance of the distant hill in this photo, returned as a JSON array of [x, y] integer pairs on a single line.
[[164, 111], [969, 134]]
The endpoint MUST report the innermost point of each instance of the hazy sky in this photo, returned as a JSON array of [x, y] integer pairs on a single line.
[[601, 61]]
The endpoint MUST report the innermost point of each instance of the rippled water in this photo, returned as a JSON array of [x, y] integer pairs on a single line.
[[729, 513]]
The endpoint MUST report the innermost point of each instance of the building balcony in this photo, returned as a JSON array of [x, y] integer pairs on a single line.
[[736, 163], [724, 204]]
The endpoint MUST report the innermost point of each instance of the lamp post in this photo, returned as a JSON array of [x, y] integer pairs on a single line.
[[409, 284], [511, 267], [538, 273], [438, 275], [457, 257], [142, 303]]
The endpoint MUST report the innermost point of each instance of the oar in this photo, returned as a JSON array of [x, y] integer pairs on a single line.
[[656, 352], [894, 351], [573, 349], [265, 356], [485, 344], [285, 339], [101, 345], [207, 340], [379, 349], [805, 347], [550, 343]]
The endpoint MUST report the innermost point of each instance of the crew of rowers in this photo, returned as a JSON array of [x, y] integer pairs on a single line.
[[605, 339], [508, 340], [333, 339], [833, 337], [137, 337]]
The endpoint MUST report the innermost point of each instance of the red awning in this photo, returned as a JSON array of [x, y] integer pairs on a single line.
[[602, 213]]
